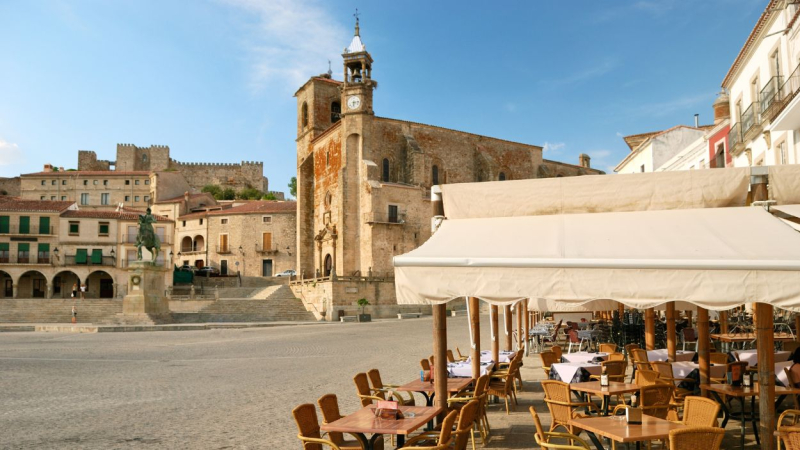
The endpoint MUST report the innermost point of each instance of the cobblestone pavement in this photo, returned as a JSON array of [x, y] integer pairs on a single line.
[[216, 389]]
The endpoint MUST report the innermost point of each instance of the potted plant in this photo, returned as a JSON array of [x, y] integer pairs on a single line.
[[363, 317]]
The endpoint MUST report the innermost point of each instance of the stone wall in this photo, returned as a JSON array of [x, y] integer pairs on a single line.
[[153, 158], [87, 160], [10, 186], [235, 176]]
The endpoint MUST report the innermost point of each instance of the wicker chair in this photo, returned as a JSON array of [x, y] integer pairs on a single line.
[[305, 417], [654, 400], [792, 382], [646, 378], [616, 357], [706, 438], [451, 358], [380, 390], [468, 417], [461, 356], [480, 395], [558, 351], [664, 369], [607, 348], [543, 437], [548, 359], [506, 367], [616, 372], [639, 361], [444, 440], [718, 358], [363, 390], [789, 418], [329, 405], [689, 336], [790, 437], [504, 388], [562, 408], [425, 365], [700, 412]]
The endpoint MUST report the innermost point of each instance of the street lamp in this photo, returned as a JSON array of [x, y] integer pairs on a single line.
[[55, 252], [288, 251]]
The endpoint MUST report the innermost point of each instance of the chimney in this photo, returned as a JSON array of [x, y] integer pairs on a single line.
[[697, 120], [584, 160], [48, 168]]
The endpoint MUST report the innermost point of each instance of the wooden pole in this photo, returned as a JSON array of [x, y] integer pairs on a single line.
[[519, 325], [703, 345], [621, 309], [723, 322], [475, 321], [525, 326], [507, 345], [689, 318], [766, 376], [650, 328], [494, 311], [797, 327], [440, 354], [671, 336]]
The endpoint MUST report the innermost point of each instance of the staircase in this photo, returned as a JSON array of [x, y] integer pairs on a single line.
[[271, 304], [41, 310]]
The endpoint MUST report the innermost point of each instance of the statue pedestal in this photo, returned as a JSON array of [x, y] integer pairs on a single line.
[[146, 292]]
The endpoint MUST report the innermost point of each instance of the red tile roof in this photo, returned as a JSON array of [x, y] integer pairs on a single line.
[[125, 214], [88, 173], [251, 207], [179, 198], [751, 39], [15, 204]]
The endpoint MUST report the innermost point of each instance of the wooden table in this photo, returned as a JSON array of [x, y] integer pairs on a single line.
[[426, 388], [747, 337], [742, 393], [614, 388], [363, 422], [617, 429]]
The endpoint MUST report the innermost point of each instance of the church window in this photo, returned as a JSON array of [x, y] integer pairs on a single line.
[[502, 176], [304, 112], [328, 200], [435, 175], [393, 216], [385, 177], [336, 112], [327, 159]]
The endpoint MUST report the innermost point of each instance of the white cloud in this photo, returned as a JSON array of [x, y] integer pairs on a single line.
[[292, 41], [10, 154], [620, 134], [668, 107], [551, 147]]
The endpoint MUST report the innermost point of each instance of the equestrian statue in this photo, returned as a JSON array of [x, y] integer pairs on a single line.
[[147, 237]]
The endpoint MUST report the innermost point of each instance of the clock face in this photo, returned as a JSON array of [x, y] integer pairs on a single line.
[[353, 102]]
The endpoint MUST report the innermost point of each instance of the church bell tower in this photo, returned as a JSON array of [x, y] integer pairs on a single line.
[[358, 82]]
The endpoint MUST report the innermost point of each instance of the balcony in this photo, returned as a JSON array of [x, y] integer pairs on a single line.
[[69, 260], [735, 141], [784, 113], [268, 250], [770, 98], [6, 258], [385, 218], [223, 249], [30, 230], [751, 120]]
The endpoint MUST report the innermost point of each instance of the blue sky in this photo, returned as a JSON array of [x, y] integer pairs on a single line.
[[214, 79]]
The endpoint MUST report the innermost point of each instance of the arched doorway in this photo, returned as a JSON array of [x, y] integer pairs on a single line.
[[186, 244], [199, 243], [99, 284], [32, 284], [328, 266], [63, 283], [6, 285]]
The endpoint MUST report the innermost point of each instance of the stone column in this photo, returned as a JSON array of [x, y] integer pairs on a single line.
[[15, 288]]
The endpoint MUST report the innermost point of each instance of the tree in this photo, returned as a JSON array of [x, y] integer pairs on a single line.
[[249, 194], [293, 187], [228, 194], [269, 196], [214, 190]]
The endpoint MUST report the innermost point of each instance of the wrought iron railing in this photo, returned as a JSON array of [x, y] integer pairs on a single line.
[[223, 249], [769, 93], [268, 249], [105, 261], [750, 117], [12, 258], [735, 136], [785, 93]]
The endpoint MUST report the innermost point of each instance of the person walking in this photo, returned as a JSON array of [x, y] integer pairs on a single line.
[[74, 290], [83, 291], [74, 314]]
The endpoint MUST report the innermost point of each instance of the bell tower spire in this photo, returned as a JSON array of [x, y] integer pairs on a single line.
[[358, 82]]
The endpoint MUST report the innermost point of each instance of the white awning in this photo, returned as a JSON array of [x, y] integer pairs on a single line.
[[716, 258]]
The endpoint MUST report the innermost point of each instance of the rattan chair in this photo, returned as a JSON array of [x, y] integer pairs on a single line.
[[639, 360], [646, 378], [468, 417], [442, 442], [548, 359], [558, 351], [305, 417], [654, 400], [461, 356], [616, 357], [789, 418], [700, 412], [450, 357], [561, 406], [329, 405], [380, 390], [792, 383], [425, 365], [718, 358], [480, 395], [694, 438], [363, 390], [607, 348], [504, 388], [543, 437], [616, 372], [501, 373], [666, 373]]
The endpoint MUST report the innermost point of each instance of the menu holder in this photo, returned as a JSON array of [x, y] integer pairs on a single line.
[[387, 410], [735, 376], [633, 416]]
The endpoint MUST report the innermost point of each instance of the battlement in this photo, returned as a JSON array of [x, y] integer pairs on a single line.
[[255, 164], [134, 147]]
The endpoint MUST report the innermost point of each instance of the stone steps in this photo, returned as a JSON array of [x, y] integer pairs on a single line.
[[40, 310], [274, 303]]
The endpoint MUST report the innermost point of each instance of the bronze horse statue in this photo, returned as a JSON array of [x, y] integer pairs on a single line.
[[147, 237]]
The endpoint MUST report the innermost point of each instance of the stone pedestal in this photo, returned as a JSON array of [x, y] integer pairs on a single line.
[[146, 293]]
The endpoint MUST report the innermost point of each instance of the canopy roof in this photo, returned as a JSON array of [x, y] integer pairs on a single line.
[[716, 258]]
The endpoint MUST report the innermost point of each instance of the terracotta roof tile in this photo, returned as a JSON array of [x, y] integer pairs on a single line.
[[251, 207], [15, 204], [125, 214], [179, 198]]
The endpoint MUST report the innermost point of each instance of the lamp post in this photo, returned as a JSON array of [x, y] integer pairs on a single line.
[[114, 256], [55, 253], [241, 256]]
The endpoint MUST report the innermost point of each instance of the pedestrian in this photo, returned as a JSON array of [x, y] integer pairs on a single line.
[[74, 314], [83, 291], [74, 290]]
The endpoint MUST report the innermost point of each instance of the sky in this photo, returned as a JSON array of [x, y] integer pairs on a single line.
[[214, 79]]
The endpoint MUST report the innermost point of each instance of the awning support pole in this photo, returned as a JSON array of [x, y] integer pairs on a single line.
[[507, 345], [526, 326], [650, 328], [703, 345], [519, 326], [475, 321], [440, 354], [493, 311], [671, 335], [765, 347], [797, 327], [723, 322]]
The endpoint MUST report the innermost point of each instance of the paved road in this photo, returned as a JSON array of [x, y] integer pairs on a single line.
[[194, 389]]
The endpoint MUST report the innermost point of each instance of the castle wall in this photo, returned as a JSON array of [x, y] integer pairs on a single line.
[[235, 176], [10, 186], [87, 160], [153, 158]]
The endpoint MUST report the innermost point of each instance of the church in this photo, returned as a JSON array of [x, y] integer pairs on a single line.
[[363, 184]]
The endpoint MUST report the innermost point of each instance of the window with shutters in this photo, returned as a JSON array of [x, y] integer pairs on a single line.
[[223, 243], [74, 228], [81, 256], [44, 225], [104, 198], [266, 242], [23, 253], [43, 254], [5, 224], [97, 256], [4, 246], [24, 225], [103, 228]]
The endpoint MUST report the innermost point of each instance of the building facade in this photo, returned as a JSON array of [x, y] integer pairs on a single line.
[[363, 181], [89, 189]]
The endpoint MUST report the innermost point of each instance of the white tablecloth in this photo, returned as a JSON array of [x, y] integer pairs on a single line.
[[681, 369], [464, 369], [567, 370], [486, 356], [588, 334], [579, 357], [751, 356], [780, 373], [661, 355]]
